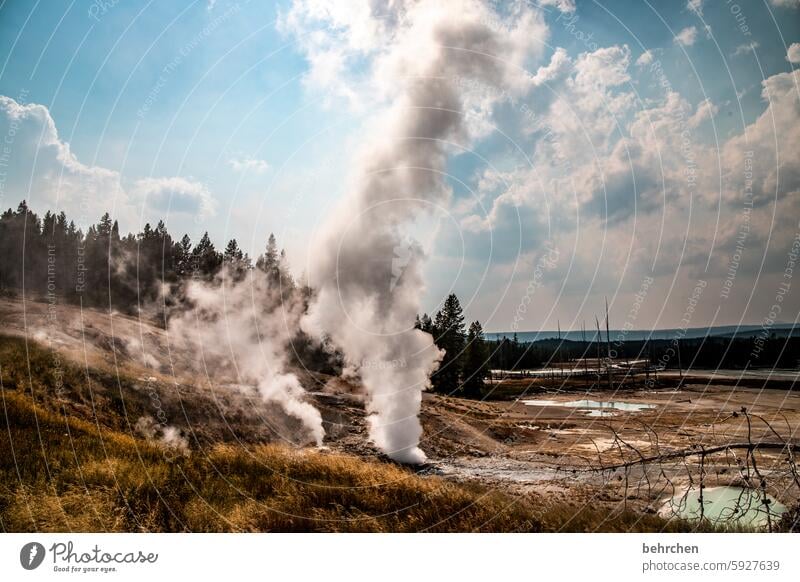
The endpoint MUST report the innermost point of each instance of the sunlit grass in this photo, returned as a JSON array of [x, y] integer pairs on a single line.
[[62, 468], [65, 474]]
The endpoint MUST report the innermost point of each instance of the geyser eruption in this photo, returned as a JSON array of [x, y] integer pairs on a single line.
[[240, 329], [420, 54]]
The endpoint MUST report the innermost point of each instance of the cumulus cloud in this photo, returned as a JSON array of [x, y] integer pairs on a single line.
[[645, 58], [771, 142], [353, 59], [793, 54], [695, 6], [352, 33], [687, 36], [176, 195], [42, 169], [618, 162], [705, 110]]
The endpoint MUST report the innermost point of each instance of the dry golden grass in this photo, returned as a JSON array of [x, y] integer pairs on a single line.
[[66, 474], [62, 469]]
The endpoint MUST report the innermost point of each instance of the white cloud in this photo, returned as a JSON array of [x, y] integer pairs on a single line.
[[746, 48], [785, 3], [176, 195], [630, 160], [645, 58], [566, 6], [741, 93], [347, 45], [606, 67], [695, 6], [351, 31], [705, 110], [772, 140], [793, 54], [248, 164], [687, 36], [42, 169]]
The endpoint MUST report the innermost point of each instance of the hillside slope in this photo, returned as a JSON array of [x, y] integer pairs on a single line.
[[92, 440]]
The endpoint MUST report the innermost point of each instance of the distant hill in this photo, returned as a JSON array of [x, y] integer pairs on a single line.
[[728, 331]]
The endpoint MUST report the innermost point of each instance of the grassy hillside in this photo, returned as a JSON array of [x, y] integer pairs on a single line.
[[65, 468], [62, 474]]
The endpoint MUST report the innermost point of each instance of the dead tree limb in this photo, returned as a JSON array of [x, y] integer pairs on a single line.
[[684, 453]]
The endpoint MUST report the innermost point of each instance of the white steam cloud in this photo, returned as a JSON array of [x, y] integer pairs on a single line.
[[240, 330], [420, 56]]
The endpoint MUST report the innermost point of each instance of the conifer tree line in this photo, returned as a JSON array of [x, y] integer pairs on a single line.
[[465, 364], [49, 255]]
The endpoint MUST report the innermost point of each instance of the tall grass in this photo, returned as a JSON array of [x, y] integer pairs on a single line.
[[64, 467]]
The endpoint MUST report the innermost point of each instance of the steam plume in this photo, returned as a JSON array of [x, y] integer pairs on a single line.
[[241, 329], [420, 54]]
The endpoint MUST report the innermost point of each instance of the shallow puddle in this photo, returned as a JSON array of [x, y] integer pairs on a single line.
[[725, 505]]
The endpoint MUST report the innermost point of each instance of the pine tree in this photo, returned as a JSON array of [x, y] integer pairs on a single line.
[[205, 257], [238, 262], [269, 262], [450, 337], [233, 254], [95, 291], [426, 324], [182, 257], [284, 274], [105, 226], [476, 361]]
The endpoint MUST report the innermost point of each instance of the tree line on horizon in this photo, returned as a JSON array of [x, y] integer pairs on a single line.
[[50, 255], [714, 352], [469, 356], [144, 272]]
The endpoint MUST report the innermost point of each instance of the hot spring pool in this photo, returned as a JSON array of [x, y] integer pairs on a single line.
[[725, 505], [594, 407]]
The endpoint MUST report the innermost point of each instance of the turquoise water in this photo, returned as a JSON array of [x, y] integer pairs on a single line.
[[725, 505], [594, 407]]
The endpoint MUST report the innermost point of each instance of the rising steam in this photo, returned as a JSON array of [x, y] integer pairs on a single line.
[[420, 53], [240, 331]]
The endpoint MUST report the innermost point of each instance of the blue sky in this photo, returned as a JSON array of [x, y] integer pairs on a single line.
[[206, 114]]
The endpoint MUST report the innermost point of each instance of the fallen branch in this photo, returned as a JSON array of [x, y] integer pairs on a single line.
[[684, 453]]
